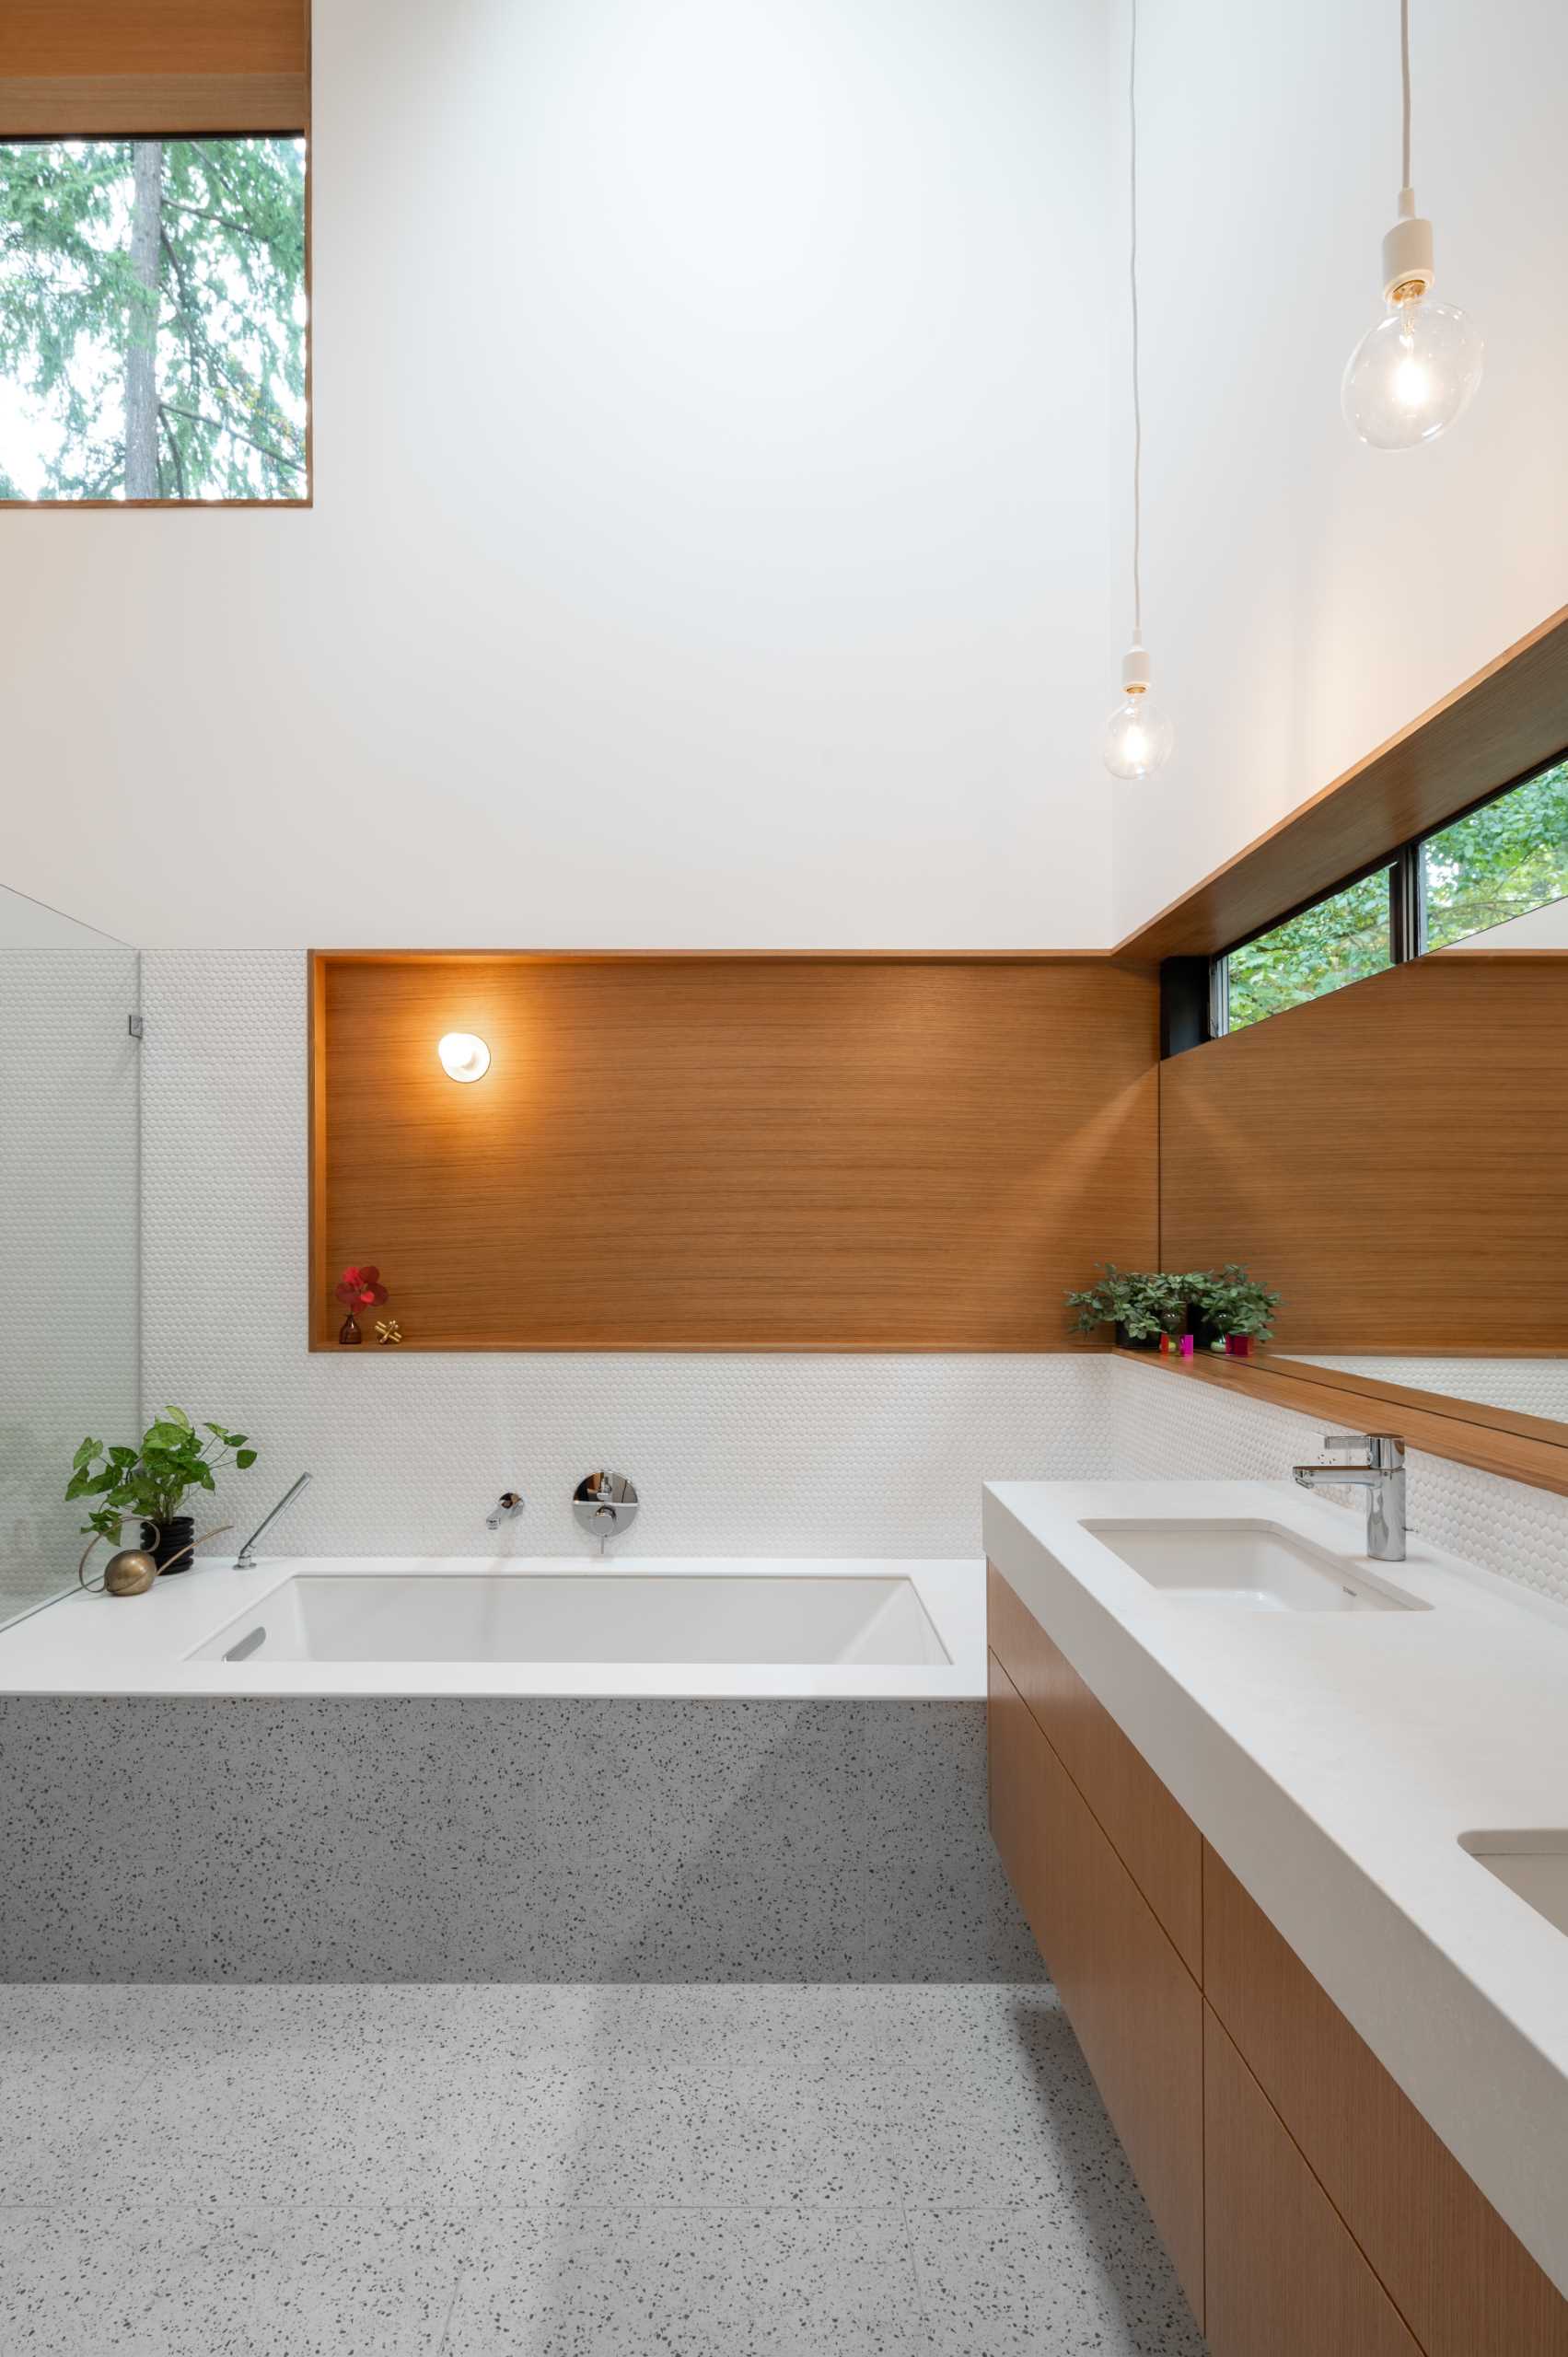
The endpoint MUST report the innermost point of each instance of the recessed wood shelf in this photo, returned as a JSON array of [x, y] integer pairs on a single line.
[[719, 1153]]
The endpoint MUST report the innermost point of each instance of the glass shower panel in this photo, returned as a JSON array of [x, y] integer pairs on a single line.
[[69, 1151]]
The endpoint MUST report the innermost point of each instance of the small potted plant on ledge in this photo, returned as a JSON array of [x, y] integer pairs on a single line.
[[1218, 1310], [1231, 1310], [1140, 1306], [150, 1484]]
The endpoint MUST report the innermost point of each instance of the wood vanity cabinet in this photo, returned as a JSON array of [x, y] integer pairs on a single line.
[[1306, 2204], [1135, 2006]]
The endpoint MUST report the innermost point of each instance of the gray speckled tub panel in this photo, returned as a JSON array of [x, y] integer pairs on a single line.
[[412, 1838]]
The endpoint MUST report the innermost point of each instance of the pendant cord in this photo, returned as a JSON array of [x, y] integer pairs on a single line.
[[1133, 285], [1405, 84]]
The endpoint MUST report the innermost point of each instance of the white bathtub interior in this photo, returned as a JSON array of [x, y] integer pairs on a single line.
[[583, 1617]]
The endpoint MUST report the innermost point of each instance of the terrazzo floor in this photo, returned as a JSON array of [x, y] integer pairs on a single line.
[[735, 2170]]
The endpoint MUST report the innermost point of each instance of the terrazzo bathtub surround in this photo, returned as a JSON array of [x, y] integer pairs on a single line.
[[740, 2171], [456, 1838]]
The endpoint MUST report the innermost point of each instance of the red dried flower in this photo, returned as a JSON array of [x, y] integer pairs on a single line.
[[360, 1288]]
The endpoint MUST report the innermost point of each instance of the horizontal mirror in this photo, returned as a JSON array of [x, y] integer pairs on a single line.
[[1391, 1153]]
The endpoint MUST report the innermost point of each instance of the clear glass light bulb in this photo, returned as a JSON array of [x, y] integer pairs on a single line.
[[1138, 736], [1411, 374]]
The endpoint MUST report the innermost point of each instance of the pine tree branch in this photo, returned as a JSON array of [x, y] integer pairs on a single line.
[[173, 449], [224, 425]]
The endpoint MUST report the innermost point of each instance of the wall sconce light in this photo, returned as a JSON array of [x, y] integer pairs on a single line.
[[463, 1056]]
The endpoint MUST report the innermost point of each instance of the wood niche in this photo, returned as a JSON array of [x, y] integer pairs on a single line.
[[728, 1152]]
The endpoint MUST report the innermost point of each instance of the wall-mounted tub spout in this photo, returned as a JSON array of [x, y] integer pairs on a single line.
[[247, 1555], [507, 1506]]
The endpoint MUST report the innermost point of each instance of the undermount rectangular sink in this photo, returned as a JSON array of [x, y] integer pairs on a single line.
[[1535, 1865], [1254, 1563]]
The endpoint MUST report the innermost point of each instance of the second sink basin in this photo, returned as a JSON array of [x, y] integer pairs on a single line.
[[1251, 1562], [1533, 1864]]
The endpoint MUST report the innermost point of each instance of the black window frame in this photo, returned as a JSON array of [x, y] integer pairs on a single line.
[[1194, 992]]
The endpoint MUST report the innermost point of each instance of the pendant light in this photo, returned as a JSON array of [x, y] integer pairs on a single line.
[[1138, 738], [1411, 374]]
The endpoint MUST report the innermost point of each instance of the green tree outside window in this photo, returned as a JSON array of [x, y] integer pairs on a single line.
[[152, 319], [1341, 940]]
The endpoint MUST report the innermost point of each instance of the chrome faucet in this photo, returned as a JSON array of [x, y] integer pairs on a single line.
[[247, 1555], [1381, 1475], [507, 1506]]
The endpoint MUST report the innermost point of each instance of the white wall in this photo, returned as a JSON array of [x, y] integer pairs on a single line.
[[1305, 597], [708, 545], [28, 925]]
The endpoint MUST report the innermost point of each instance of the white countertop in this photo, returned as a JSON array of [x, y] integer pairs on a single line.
[[1334, 1760], [87, 1643]]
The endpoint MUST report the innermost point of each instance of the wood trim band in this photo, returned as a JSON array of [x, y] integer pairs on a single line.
[[123, 105], [1500, 1447], [739, 957], [1508, 719], [1437, 1403]]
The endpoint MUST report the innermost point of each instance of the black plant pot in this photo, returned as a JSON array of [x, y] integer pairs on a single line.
[[1124, 1341], [168, 1544], [1204, 1334]]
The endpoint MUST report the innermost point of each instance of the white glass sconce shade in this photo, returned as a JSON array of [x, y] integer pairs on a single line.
[[463, 1057]]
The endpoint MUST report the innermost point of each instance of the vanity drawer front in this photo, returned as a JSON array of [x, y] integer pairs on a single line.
[[1014, 1765], [1155, 1838], [1283, 2275], [1461, 2277], [1135, 2008]]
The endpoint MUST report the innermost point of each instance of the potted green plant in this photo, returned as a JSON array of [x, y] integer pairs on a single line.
[[1229, 1304], [150, 1484], [1140, 1304]]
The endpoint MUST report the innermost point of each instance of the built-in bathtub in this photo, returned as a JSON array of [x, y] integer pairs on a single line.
[[663, 1768], [674, 1626], [656, 1618]]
